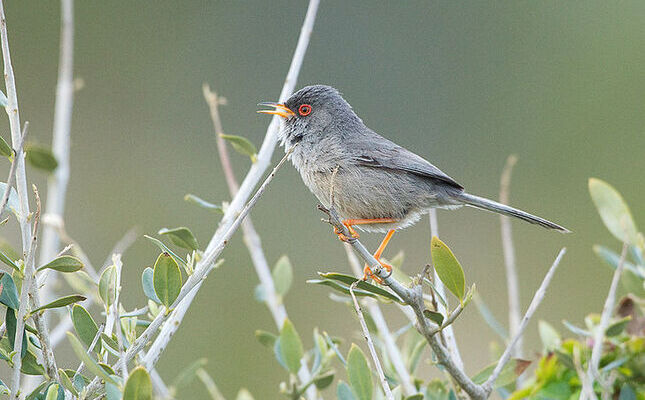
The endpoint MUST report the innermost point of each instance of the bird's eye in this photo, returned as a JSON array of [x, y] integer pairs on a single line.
[[304, 110]]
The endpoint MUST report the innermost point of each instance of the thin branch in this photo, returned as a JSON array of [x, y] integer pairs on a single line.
[[607, 310], [413, 297], [188, 291], [251, 237], [17, 153], [392, 349], [448, 333], [34, 298], [89, 349], [370, 344], [116, 259], [57, 182], [512, 282], [535, 303]]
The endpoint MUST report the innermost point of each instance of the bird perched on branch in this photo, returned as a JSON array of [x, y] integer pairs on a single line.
[[373, 183]]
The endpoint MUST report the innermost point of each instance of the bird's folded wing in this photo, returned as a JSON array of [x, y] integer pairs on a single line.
[[392, 156]]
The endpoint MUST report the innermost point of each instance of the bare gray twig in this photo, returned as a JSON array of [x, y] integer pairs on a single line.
[[17, 153], [370, 344], [537, 299], [599, 334], [512, 281]]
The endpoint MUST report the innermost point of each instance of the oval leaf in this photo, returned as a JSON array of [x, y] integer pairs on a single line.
[[290, 347], [64, 264], [138, 386], [509, 374], [434, 316], [242, 145], [165, 249], [89, 362], [613, 210], [365, 286], [282, 275], [148, 285], [166, 279], [448, 268], [12, 203], [62, 302], [107, 285], [344, 392], [8, 293], [5, 149], [40, 157], [360, 375], [66, 382], [181, 237], [265, 338], [85, 326]]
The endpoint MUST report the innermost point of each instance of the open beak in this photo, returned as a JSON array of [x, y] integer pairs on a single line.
[[280, 109]]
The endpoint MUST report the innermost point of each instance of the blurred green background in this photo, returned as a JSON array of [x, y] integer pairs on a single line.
[[464, 84]]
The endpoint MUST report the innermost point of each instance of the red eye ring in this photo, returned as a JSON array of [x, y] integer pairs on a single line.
[[304, 110]]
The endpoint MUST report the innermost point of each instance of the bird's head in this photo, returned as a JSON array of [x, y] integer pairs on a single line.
[[309, 111]]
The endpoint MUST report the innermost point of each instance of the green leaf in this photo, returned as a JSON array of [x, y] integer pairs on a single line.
[[62, 302], [5, 149], [89, 362], [5, 259], [191, 198], [341, 288], [282, 275], [52, 392], [30, 365], [3, 99], [11, 322], [550, 337], [434, 316], [107, 285], [148, 285], [66, 382], [344, 392], [167, 279], [367, 287], [242, 145], [181, 237], [138, 386], [614, 211], [627, 393], [110, 341], [13, 204], [165, 249], [360, 375], [85, 326], [417, 396], [290, 346], [324, 381], [8, 293], [266, 338], [40, 157], [510, 372], [64, 264], [113, 392], [617, 327], [185, 377], [612, 258], [448, 268]]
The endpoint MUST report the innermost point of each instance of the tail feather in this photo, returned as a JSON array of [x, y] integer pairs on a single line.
[[490, 205]]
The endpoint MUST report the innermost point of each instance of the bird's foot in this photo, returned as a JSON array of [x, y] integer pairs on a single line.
[[368, 274], [342, 237]]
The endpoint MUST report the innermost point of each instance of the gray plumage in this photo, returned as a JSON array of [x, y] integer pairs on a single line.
[[375, 177]]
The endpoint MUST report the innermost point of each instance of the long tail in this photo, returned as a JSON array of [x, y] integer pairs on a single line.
[[489, 205]]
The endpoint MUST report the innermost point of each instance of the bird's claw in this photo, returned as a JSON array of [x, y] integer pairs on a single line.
[[342, 237], [368, 274]]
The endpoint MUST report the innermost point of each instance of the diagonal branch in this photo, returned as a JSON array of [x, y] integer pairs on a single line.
[[413, 297], [535, 303], [251, 237]]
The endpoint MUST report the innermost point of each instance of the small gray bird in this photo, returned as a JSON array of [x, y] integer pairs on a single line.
[[377, 185]]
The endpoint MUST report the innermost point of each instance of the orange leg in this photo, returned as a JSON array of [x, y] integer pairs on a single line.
[[367, 272], [349, 222]]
